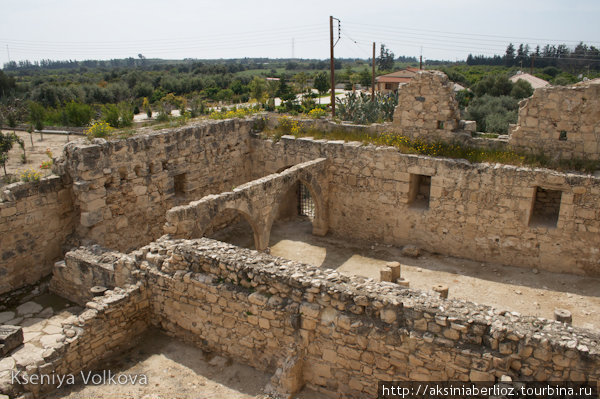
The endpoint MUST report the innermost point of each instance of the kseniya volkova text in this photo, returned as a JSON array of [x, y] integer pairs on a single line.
[[104, 377]]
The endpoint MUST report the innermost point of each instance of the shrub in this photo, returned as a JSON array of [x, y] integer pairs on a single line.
[[99, 130], [317, 113], [118, 115], [30, 175], [493, 114], [494, 85], [521, 89], [76, 114], [46, 164]]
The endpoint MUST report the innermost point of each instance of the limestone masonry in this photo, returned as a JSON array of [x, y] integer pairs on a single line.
[[132, 215], [560, 121]]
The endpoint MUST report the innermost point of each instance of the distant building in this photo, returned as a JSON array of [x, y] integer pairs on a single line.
[[389, 83], [534, 81]]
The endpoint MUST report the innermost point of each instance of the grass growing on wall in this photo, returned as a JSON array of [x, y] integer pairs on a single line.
[[436, 149]]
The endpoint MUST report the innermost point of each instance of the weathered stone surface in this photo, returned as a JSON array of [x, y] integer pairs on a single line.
[[6, 316], [10, 338], [29, 308], [560, 121]]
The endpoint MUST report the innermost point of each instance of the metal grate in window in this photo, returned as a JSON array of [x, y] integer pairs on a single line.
[[306, 205]]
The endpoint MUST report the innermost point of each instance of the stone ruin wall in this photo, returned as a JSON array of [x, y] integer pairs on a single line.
[[475, 211], [124, 188], [261, 201], [121, 192], [197, 289], [35, 221], [338, 334], [561, 121], [427, 109], [109, 325]]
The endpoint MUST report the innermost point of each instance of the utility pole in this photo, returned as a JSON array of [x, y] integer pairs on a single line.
[[532, 61], [373, 76], [332, 67]]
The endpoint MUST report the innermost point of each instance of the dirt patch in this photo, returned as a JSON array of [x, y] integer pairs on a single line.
[[35, 151], [176, 370], [527, 291]]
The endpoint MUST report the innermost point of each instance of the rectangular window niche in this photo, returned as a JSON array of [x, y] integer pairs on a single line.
[[546, 208], [179, 184], [419, 189]]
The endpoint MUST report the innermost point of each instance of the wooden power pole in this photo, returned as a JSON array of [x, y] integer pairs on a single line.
[[373, 76], [332, 66]]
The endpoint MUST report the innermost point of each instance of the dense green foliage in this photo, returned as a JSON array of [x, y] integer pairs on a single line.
[[493, 114]]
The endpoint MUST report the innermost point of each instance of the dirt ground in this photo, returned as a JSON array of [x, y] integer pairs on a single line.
[[36, 154], [176, 370], [504, 287]]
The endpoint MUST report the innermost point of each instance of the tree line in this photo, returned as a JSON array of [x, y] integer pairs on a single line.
[[581, 57]]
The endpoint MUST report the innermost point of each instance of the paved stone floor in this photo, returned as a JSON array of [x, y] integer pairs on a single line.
[[41, 319]]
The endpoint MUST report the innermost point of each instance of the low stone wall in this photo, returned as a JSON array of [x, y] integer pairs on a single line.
[[258, 201], [109, 325], [35, 220], [560, 121], [476, 211], [340, 335]]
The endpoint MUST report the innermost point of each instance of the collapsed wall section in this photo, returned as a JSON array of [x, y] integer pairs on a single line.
[[341, 335], [124, 188], [35, 220], [487, 212], [560, 121], [427, 108]]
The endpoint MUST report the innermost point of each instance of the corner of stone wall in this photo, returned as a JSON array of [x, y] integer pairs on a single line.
[[110, 324]]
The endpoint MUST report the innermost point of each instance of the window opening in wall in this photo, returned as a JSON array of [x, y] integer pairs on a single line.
[[306, 205], [563, 135], [179, 184], [546, 208], [420, 187], [440, 125]]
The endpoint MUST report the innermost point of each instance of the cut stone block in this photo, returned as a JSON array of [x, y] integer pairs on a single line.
[[10, 338]]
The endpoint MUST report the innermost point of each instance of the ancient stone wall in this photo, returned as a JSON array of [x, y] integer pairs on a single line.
[[476, 211], [259, 201], [560, 121], [124, 188], [339, 334], [109, 325], [427, 108], [35, 220]]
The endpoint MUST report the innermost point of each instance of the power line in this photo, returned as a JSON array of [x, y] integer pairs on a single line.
[[383, 27]]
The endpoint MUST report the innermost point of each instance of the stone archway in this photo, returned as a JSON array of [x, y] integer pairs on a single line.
[[282, 206], [232, 226]]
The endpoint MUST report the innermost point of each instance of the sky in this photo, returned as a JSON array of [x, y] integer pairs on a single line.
[[177, 29]]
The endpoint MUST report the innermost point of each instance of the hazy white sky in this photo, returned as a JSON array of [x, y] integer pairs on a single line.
[[445, 29]]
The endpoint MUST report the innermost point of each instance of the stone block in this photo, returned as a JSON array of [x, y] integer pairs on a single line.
[[10, 338]]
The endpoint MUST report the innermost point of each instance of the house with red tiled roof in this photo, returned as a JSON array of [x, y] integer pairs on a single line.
[[390, 82]]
